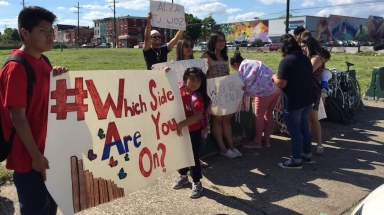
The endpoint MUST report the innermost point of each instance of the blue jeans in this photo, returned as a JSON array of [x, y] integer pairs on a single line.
[[34, 197], [196, 140], [297, 122]]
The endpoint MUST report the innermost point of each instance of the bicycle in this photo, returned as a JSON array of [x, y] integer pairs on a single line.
[[345, 88]]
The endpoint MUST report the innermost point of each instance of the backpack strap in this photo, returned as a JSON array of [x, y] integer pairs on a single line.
[[28, 70], [46, 60], [30, 81]]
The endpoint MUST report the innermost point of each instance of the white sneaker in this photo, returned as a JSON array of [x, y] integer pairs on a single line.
[[197, 188], [229, 154], [237, 152]]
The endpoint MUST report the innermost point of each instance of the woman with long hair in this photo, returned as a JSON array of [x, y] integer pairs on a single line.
[[218, 66], [294, 78], [312, 49]]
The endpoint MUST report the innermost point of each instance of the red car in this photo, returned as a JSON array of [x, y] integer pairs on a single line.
[[273, 46]]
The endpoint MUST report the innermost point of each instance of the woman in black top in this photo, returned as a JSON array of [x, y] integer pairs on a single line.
[[295, 80]]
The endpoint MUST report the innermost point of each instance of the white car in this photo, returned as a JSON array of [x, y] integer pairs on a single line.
[[373, 204], [201, 46]]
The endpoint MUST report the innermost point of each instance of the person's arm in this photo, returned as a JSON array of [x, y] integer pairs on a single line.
[[204, 55], [188, 121], [280, 83], [316, 62], [147, 33], [175, 39], [21, 124]]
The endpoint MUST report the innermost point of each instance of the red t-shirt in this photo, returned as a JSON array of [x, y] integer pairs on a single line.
[[198, 106], [13, 94]]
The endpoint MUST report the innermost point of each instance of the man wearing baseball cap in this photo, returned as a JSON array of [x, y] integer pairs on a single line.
[[153, 51]]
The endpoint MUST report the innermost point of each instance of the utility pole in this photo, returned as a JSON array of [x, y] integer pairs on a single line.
[[114, 23], [78, 23], [23, 3], [287, 19]]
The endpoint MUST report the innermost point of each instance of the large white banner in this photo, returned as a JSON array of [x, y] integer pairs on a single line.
[[167, 15], [111, 133], [180, 66], [226, 94]]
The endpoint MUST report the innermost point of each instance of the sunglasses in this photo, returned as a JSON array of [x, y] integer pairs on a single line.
[[156, 37], [186, 45]]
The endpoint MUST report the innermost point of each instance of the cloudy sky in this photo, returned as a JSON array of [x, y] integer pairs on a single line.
[[223, 11]]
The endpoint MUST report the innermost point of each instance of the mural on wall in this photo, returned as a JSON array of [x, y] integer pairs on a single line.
[[341, 28], [323, 30], [375, 28], [245, 31], [345, 28]]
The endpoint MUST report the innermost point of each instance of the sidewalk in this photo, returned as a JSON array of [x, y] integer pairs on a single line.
[[352, 166]]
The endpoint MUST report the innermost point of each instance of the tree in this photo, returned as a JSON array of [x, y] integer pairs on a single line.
[[193, 27], [208, 26], [10, 35]]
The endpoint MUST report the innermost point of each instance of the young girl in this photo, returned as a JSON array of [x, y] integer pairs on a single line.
[[196, 106], [217, 67], [184, 52], [258, 84]]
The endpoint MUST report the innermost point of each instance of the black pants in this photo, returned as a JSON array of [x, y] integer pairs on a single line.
[[34, 197], [195, 170]]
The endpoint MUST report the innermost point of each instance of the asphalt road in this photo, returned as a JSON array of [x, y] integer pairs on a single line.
[[351, 167]]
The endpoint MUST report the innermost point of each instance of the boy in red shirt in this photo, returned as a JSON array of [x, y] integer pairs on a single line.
[[28, 114]]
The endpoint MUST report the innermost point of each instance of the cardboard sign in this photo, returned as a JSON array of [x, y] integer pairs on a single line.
[[226, 94], [167, 15], [111, 133], [179, 67]]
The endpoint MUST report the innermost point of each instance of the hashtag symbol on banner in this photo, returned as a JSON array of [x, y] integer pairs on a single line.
[[61, 95]]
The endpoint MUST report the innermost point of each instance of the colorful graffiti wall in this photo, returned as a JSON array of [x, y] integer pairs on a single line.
[[245, 31], [375, 28], [341, 28]]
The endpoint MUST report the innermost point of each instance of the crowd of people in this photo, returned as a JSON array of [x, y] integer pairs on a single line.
[[296, 87]]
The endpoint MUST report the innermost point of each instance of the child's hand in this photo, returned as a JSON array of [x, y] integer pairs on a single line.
[[178, 129], [40, 164], [58, 70]]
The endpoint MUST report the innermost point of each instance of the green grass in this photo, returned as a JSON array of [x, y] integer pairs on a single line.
[[132, 59]]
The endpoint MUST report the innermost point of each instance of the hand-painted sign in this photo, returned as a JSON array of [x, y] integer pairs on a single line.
[[226, 94], [111, 133], [167, 15]]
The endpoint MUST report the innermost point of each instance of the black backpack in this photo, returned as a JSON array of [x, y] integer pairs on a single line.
[[335, 113], [6, 146]]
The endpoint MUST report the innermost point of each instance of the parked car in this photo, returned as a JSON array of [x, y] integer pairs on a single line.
[[372, 204], [88, 45], [201, 46], [232, 45], [105, 45], [273, 46], [332, 44], [244, 43]]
